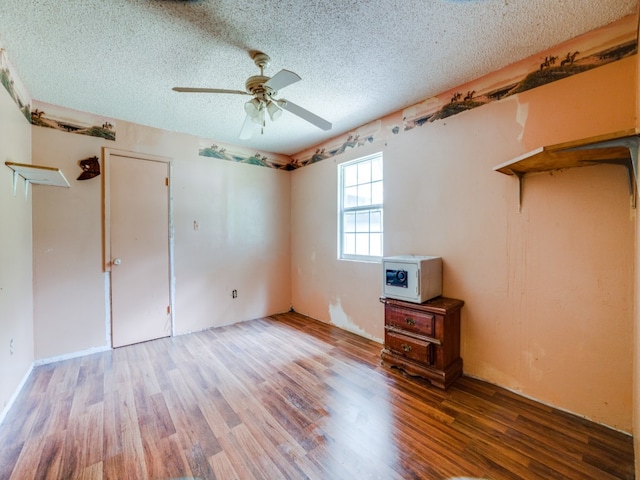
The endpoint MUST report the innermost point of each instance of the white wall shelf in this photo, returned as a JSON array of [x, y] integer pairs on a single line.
[[36, 174]]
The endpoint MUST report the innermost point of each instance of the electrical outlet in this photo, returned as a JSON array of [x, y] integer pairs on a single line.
[[234, 294], [196, 225], [11, 346]]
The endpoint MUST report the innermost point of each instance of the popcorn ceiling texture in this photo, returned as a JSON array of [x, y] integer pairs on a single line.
[[359, 59]]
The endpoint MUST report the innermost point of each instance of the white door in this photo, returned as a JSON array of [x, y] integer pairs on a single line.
[[137, 246]]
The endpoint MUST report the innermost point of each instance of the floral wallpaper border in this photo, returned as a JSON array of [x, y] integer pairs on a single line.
[[234, 153], [594, 49], [12, 83], [600, 47], [72, 121]]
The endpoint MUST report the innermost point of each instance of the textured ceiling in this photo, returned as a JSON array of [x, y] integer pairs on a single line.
[[359, 59]]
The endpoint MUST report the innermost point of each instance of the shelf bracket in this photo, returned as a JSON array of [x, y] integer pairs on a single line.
[[15, 182], [520, 177], [36, 174], [15, 185], [633, 144]]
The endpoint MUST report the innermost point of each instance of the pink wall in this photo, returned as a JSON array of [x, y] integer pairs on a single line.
[[69, 285], [344, 293], [242, 241], [636, 313], [16, 291], [548, 291]]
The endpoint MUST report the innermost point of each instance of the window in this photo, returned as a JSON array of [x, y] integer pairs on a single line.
[[360, 216]]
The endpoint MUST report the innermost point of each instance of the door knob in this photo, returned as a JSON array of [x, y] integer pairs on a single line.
[[117, 261]]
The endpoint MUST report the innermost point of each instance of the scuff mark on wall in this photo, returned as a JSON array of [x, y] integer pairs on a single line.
[[341, 319], [532, 357], [521, 117]]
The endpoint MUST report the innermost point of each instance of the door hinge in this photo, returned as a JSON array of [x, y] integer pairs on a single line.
[[166, 181], [168, 309]]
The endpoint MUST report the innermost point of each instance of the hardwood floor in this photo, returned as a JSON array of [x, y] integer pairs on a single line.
[[285, 397]]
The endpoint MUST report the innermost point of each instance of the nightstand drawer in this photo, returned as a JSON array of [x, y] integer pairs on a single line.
[[410, 320], [408, 347]]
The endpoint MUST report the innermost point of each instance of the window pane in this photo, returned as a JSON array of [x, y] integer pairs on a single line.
[[349, 244], [349, 222], [375, 244], [350, 197], [364, 172], [375, 221], [350, 175], [376, 169], [362, 244], [361, 226], [362, 221], [376, 193], [364, 194]]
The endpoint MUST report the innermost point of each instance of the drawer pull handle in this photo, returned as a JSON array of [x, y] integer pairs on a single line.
[[410, 321], [405, 347]]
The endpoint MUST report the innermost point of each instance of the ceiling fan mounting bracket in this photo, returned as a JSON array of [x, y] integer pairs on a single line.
[[262, 60]]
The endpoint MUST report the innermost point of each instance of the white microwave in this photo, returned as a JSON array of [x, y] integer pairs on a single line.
[[412, 278]]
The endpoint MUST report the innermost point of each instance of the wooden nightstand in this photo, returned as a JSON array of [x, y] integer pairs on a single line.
[[423, 339]]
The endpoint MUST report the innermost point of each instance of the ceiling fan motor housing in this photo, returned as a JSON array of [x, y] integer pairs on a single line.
[[255, 85]]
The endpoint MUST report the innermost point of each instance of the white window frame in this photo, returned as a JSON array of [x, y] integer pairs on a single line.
[[370, 207]]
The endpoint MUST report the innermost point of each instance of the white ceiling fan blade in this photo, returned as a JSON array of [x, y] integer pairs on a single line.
[[247, 128], [304, 114], [208, 90], [282, 79]]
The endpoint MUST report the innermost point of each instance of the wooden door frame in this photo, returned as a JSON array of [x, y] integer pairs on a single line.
[[107, 152]]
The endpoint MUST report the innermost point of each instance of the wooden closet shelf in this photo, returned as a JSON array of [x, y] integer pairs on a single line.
[[617, 148]]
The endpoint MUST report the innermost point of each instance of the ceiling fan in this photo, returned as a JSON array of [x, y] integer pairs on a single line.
[[264, 89]]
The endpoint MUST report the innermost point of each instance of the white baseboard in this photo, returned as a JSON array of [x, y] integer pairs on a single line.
[[13, 398], [82, 353], [45, 361]]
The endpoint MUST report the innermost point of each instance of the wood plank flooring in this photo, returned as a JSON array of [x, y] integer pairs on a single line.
[[285, 397]]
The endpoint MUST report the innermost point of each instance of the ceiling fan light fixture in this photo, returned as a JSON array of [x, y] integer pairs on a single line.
[[259, 118], [274, 112], [253, 108]]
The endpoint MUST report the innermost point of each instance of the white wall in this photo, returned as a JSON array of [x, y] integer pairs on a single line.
[[69, 292], [242, 243], [16, 290]]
